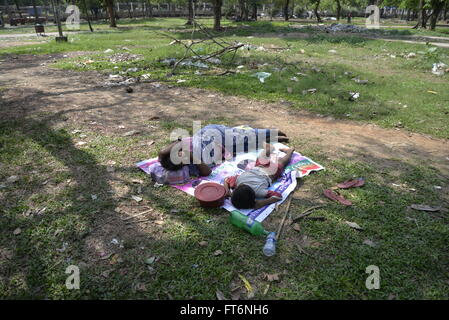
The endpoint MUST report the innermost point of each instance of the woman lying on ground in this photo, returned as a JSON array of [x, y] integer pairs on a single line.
[[197, 160]]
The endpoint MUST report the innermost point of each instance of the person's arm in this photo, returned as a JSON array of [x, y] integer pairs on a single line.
[[228, 190], [265, 202], [229, 183]]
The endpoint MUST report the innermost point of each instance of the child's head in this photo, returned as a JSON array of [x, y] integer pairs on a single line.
[[243, 197]]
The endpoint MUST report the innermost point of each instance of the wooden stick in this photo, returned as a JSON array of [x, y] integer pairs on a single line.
[[306, 213], [137, 215], [287, 208], [139, 221]]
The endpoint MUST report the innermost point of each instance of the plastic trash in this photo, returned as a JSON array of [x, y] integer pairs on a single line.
[[108, 51], [354, 96], [247, 223], [262, 76], [269, 248], [438, 68]]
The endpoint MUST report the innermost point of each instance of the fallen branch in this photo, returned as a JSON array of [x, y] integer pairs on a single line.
[[281, 225], [305, 213]]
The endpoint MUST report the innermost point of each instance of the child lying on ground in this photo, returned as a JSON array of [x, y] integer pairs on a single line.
[[252, 185]]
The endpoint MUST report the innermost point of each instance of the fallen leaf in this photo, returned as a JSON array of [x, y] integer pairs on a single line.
[[248, 287], [305, 242], [17, 231], [136, 198], [272, 277], [115, 259], [141, 287], [266, 289], [218, 252], [151, 260], [296, 227], [423, 207], [203, 243], [106, 273], [370, 243], [130, 133], [12, 179], [354, 225], [220, 295], [235, 294]]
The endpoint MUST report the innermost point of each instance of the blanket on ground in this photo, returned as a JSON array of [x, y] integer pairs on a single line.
[[298, 167]]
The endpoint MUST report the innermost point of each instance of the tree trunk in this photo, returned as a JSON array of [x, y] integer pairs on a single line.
[[111, 13], [150, 8], [86, 12], [254, 14], [421, 15], [190, 17], [318, 18], [18, 8], [435, 14], [445, 11], [217, 14], [36, 14], [286, 4], [338, 9]]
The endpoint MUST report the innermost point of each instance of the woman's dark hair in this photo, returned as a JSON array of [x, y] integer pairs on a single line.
[[167, 164], [243, 197]]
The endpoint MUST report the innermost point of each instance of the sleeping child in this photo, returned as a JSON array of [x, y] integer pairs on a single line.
[[251, 187]]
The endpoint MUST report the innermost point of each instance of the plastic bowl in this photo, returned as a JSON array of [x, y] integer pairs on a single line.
[[210, 194]]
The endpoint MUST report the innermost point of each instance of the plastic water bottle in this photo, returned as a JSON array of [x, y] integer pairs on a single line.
[[269, 248], [247, 223]]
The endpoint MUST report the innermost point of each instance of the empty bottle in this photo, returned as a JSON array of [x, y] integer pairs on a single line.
[[269, 248], [247, 223]]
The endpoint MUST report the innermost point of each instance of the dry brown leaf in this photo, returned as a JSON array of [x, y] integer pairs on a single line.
[[220, 295], [203, 243], [353, 225], [272, 277], [236, 293], [296, 227], [423, 207], [141, 287]]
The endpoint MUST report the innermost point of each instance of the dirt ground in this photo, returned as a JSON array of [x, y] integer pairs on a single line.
[[72, 98]]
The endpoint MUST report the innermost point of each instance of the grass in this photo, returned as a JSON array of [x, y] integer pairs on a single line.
[[411, 245], [399, 92], [55, 174]]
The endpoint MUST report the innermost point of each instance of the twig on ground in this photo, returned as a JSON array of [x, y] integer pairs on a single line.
[[306, 213], [281, 225], [136, 215]]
